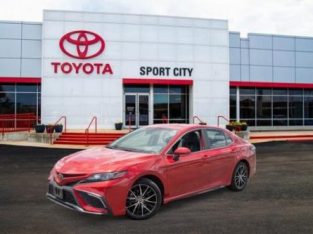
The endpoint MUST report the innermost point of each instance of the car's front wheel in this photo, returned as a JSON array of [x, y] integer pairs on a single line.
[[143, 199], [240, 177]]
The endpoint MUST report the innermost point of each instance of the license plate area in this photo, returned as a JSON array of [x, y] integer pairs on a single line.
[[58, 192]]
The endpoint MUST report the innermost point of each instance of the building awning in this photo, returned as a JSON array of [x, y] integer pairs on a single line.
[[21, 80], [248, 84]]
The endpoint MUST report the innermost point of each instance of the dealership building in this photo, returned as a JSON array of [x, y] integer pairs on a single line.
[[146, 69]]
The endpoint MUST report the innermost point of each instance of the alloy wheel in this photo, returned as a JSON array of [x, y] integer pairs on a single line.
[[142, 201], [241, 176]]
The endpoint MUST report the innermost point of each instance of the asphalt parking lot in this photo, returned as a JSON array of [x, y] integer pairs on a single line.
[[279, 199]]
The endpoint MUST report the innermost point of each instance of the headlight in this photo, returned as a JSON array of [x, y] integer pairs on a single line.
[[105, 176]]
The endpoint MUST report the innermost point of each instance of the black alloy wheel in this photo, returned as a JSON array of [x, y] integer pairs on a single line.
[[240, 177], [143, 199]]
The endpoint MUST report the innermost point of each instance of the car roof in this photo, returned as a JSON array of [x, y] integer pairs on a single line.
[[181, 126]]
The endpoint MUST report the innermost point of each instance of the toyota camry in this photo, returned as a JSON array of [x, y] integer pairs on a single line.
[[149, 167]]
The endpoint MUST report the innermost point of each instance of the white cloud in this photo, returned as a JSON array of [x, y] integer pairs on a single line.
[[291, 17]]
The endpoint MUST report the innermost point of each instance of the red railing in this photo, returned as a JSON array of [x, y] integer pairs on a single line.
[[54, 125], [94, 119], [196, 117], [17, 122], [219, 117]]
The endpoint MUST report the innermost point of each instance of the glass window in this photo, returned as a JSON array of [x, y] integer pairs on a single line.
[[264, 91], [171, 103], [308, 122], [308, 92], [215, 139], [279, 107], [7, 102], [280, 122], [228, 139], [264, 122], [160, 106], [247, 107], [21, 100], [264, 107], [233, 106], [296, 92], [190, 140], [295, 107], [26, 103], [308, 107], [295, 122], [247, 91], [7, 88], [177, 106], [279, 91], [179, 121], [145, 140], [136, 88], [39, 106], [178, 89], [233, 91], [26, 88], [160, 89]]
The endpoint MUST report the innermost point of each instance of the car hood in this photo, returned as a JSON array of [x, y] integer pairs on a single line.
[[99, 160]]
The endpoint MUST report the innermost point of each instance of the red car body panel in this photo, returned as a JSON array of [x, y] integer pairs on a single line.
[[194, 173]]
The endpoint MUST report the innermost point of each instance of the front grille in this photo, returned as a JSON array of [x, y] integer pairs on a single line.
[[92, 200], [68, 197]]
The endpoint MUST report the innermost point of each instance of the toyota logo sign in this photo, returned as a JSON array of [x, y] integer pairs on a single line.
[[82, 44]]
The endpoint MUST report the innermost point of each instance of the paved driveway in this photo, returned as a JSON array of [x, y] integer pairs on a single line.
[[279, 199]]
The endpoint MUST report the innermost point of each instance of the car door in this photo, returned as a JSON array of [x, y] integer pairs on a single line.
[[186, 174], [219, 157]]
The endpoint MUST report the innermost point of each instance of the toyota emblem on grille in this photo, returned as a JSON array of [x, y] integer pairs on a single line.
[[82, 44], [60, 176]]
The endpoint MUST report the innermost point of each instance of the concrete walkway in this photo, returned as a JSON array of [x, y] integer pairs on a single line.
[[258, 137], [255, 137]]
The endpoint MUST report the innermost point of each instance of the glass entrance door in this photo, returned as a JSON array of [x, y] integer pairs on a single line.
[[136, 109]]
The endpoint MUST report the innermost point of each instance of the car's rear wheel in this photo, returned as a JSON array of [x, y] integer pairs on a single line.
[[143, 199], [240, 177]]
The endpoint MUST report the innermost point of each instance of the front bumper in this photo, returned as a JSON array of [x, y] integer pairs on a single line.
[[81, 201]]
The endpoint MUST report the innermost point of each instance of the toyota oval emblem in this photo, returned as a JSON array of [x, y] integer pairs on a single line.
[[82, 44], [60, 176]]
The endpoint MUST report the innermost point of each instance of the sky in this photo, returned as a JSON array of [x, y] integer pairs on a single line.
[[285, 17]]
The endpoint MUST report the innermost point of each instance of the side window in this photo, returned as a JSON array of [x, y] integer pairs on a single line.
[[228, 139], [190, 140], [215, 138]]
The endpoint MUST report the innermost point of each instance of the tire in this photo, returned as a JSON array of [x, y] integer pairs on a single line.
[[143, 200], [240, 177]]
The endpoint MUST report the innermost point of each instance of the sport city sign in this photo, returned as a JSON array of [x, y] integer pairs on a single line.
[[82, 45]]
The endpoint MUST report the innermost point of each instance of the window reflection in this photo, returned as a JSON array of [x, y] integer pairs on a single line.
[[19, 104], [273, 107], [171, 104]]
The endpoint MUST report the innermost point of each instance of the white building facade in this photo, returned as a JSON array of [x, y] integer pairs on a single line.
[[146, 69]]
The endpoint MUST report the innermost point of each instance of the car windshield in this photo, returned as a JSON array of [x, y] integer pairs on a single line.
[[148, 140]]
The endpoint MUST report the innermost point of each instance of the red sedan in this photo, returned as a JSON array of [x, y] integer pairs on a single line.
[[149, 167]]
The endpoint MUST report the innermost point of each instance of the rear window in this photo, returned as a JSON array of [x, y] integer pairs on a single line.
[[216, 138]]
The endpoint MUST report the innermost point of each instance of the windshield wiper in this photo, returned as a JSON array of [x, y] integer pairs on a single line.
[[111, 147]]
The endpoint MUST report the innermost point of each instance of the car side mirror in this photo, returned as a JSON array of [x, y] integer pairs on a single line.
[[180, 151]]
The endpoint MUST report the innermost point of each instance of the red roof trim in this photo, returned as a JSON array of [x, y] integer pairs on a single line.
[[270, 85], [28, 80], [156, 81]]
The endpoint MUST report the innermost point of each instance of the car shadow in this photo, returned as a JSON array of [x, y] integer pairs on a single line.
[[193, 199]]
